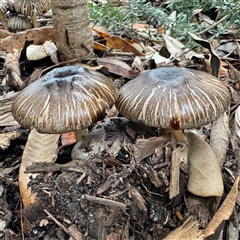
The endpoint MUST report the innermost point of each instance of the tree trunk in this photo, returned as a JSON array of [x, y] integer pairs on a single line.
[[72, 28]]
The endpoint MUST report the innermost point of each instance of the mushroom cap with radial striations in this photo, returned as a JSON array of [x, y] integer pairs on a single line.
[[6, 5], [65, 99], [173, 98], [27, 7]]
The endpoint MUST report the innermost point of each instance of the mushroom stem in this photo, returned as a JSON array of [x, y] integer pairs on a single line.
[[178, 136], [34, 20], [80, 134]]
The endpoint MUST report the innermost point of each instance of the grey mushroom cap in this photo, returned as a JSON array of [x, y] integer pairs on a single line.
[[64, 100], [173, 98]]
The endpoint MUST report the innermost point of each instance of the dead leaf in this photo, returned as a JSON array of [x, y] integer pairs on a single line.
[[176, 48], [214, 60], [5, 138], [237, 121], [17, 40], [74, 233], [146, 147], [68, 139], [188, 231], [101, 31], [99, 46], [219, 138], [7, 120], [6, 102], [4, 33], [224, 212], [118, 67], [13, 71], [138, 199], [39, 148], [205, 178], [234, 74], [121, 44], [227, 47]]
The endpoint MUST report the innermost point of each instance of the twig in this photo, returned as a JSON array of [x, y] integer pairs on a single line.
[[214, 25], [58, 223], [105, 201], [21, 221], [55, 167]]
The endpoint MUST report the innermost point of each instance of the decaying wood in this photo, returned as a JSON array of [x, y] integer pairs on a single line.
[[177, 156], [188, 231]]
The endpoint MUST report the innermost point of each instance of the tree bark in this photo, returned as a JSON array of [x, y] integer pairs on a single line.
[[72, 28]]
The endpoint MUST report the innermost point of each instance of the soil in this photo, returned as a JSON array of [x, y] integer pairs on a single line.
[[102, 196]]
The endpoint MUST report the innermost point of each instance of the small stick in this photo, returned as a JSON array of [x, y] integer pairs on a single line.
[[214, 25], [105, 201], [58, 223]]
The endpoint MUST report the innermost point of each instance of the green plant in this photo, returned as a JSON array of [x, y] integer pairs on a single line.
[[124, 16]]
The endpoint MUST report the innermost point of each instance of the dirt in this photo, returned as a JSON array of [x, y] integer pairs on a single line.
[[102, 196]]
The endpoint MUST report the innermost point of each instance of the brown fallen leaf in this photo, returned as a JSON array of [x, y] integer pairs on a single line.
[[119, 43], [68, 139], [214, 60], [138, 199], [177, 49], [6, 102], [225, 211], [146, 147], [13, 70], [219, 139], [237, 121], [74, 233], [234, 74], [39, 148], [118, 67], [101, 31], [205, 178], [99, 46], [17, 40], [7, 120], [4, 33]]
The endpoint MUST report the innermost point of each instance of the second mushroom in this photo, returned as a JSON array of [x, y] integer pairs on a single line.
[[174, 98]]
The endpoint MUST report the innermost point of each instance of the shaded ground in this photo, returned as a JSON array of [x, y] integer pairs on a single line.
[[75, 192]]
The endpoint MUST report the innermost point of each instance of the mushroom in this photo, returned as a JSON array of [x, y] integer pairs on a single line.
[[173, 98], [19, 23], [66, 99], [32, 8], [5, 5]]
